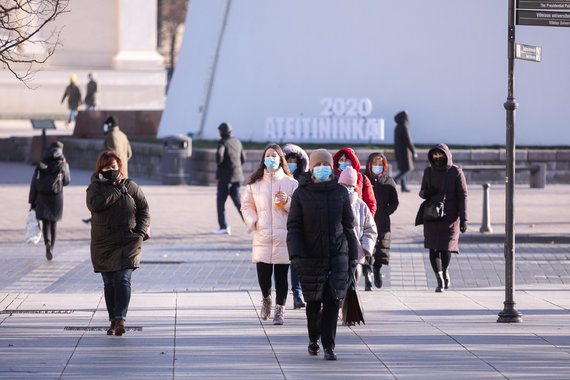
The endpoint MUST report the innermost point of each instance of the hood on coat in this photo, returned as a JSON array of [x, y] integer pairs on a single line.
[[52, 160], [445, 149], [292, 150], [350, 154], [401, 118], [368, 172]]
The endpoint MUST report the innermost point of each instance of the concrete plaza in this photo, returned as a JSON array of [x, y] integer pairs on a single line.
[[195, 306]]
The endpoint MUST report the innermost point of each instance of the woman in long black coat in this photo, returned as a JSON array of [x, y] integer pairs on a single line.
[[322, 247], [403, 148], [386, 203], [119, 222], [49, 204], [441, 237]]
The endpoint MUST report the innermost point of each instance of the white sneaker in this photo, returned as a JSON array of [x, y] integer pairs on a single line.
[[222, 231]]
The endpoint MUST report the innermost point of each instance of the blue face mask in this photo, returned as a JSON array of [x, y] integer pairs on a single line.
[[322, 173], [377, 169], [343, 165], [271, 163], [292, 166]]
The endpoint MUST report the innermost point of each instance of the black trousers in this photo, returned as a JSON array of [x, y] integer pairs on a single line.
[[264, 272], [439, 260], [225, 189], [322, 318], [48, 229]]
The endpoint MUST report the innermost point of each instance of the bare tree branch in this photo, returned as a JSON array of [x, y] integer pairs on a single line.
[[23, 26]]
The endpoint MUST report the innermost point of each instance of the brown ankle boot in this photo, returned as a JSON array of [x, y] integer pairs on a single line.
[[111, 330], [119, 327]]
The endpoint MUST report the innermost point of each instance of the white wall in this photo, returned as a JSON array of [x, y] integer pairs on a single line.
[[443, 60]]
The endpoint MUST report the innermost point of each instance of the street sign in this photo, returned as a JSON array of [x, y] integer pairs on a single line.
[[528, 52], [543, 18], [547, 4]]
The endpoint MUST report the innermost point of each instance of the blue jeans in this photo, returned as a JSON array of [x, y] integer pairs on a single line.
[[295, 284], [225, 189], [117, 292], [72, 115]]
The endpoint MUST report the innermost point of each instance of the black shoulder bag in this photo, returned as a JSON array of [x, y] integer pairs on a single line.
[[436, 211]]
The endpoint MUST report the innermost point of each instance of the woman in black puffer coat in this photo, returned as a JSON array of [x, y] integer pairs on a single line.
[[386, 203], [120, 221], [49, 205], [322, 247]]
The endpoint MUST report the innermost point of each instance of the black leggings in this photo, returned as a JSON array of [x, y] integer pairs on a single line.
[[439, 260], [48, 229], [264, 272]]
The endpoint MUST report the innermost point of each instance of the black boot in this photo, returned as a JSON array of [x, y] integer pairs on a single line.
[[446, 279], [368, 282], [49, 252], [377, 278], [439, 278]]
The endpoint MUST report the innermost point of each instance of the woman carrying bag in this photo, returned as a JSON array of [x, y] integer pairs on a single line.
[[46, 192], [120, 221], [443, 182]]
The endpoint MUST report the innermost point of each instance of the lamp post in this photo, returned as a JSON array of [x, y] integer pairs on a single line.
[[509, 313]]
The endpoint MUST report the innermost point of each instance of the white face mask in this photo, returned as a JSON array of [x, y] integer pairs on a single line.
[[105, 128]]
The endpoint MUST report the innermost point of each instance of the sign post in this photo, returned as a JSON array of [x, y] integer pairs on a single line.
[[509, 313], [539, 13]]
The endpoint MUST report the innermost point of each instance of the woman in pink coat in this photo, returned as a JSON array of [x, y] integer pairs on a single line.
[[265, 206]]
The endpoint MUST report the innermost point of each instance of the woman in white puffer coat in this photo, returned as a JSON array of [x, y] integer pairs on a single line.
[[265, 206]]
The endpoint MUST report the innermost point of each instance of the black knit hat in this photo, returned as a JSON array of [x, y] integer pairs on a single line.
[[112, 121]]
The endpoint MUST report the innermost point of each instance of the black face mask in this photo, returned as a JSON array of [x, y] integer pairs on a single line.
[[111, 175], [440, 162]]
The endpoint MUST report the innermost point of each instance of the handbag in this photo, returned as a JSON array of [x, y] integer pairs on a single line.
[[33, 230], [352, 312], [435, 211]]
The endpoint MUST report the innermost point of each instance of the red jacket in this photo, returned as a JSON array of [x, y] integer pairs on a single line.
[[363, 185]]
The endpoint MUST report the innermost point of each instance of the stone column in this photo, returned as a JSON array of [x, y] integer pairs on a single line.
[[137, 36]]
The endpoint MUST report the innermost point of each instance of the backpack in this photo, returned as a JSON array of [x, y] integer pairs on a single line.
[[49, 183]]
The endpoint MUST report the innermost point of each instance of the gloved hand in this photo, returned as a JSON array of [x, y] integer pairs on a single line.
[[463, 226], [430, 192]]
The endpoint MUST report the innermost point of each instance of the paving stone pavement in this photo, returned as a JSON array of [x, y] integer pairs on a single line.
[[195, 298]]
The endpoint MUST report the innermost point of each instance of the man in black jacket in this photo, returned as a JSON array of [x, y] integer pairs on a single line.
[[229, 158]]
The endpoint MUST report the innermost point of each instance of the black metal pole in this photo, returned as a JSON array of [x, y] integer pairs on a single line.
[[509, 313]]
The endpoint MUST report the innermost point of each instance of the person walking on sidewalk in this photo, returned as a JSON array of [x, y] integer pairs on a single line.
[[387, 202], [73, 96], [364, 226], [404, 149], [230, 157], [46, 192], [265, 206], [91, 98], [444, 181], [117, 140], [322, 247], [120, 221], [347, 157], [298, 163]]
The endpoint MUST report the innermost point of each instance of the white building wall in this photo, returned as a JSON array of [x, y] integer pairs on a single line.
[[444, 61], [116, 40]]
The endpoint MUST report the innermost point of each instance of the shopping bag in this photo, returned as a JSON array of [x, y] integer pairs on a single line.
[[33, 230], [352, 312]]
